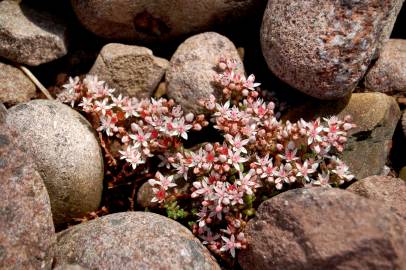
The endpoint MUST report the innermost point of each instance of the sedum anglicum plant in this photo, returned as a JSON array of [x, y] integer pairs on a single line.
[[215, 187]]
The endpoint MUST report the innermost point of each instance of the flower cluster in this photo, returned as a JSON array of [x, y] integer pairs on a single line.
[[259, 156], [145, 128], [215, 187]]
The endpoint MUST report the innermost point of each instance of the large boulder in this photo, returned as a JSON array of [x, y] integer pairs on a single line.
[[160, 19], [27, 234], [387, 190], [66, 152], [324, 47], [28, 36], [15, 87], [388, 74], [324, 228], [193, 67], [376, 116], [132, 70], [132, 240]]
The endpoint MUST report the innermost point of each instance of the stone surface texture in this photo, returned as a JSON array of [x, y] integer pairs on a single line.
[[193, 67], [66, 153], [324, 228], [15, 86], [388, 74], [30, 37], [133, 240], [132, 70], [27, 234], [151, 21], [324, 47], [387, 190]]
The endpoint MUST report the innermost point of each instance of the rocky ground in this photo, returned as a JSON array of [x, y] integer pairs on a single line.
[[60, 209]]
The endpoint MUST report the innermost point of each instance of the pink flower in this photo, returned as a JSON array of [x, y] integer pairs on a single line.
[[203, 188], [290, 152], [230, 245], [132, 156], [314, 130], [164, 182], [267, 168], [322, 179], [342, 171], [283, 175], [181, 128], [235, 159], [108, 124], [140, 137], [304, 170], [237, 143], [130, 106], [209, 238], [250, 82], [102, 106], [247, 182]]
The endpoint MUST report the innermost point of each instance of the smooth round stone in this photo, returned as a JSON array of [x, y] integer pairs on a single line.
[[132, 240], [66, 153]]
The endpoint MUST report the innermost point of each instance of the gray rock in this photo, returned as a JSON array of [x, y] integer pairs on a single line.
[[193, 66], [388, 74], [324, 47], [66, 152], [160, 19], [15, 87], [376, 116], [324, 228], [28, 36], [132, 240], [389, 191], [131, 70], [27, 234]]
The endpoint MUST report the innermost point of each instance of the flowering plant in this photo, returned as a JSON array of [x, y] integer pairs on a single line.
[[216, 186]]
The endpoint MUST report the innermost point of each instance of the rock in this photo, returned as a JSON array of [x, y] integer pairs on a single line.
[[376, 116], [324, 228], [389, 191], [132, 240], [69, 267], [402, 173], [28, 36], [15, 87], [323, 48], [27, 234], [145, 195], [388, 74], [66, 152], [131, 70], [3, 113], [191, 74], [152, 21]]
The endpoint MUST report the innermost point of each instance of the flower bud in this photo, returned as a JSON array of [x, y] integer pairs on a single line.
[[222, 66], [222, 158], [189, 117], [197, 127], [208, 147]]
